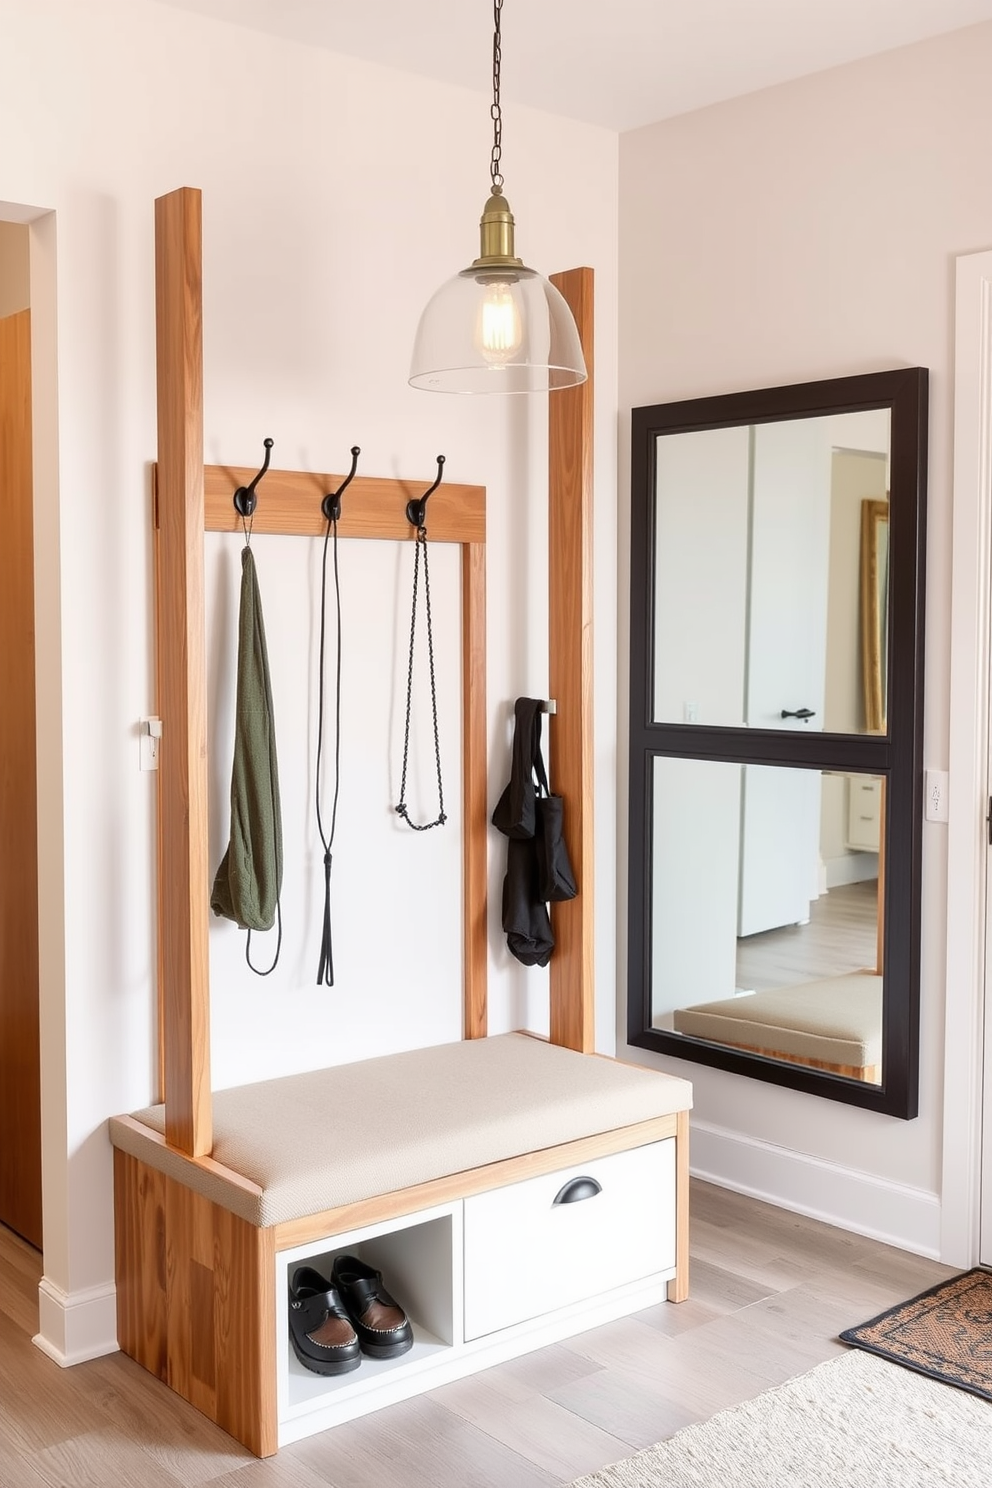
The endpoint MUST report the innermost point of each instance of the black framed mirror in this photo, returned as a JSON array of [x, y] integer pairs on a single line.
[[776, 734]]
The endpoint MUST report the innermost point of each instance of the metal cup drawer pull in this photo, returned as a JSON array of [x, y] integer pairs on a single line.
[[577, 1189]]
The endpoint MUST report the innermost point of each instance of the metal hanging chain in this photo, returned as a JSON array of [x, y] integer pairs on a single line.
[[325, 971], [496, 112], [401, 809]]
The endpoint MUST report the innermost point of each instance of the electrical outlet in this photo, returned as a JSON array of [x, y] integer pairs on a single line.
[[935, 787], [149, 743]]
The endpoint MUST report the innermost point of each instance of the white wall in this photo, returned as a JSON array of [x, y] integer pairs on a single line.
[[737, 271], [337, 196]]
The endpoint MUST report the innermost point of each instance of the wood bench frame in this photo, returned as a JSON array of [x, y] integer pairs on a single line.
[[195, 1282]]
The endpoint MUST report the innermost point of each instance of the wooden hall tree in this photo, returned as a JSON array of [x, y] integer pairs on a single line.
[[204, 1250]]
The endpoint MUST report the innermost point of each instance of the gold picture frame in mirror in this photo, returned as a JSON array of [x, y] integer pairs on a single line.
[[874, 611]]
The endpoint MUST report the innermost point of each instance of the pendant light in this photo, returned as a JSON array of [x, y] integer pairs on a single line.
[[497, 327]]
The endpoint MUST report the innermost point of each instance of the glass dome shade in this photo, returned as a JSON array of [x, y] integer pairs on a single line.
[[498, 329]]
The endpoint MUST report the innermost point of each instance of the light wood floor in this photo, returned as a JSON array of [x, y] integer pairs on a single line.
[[769, 1293], [841, 936]]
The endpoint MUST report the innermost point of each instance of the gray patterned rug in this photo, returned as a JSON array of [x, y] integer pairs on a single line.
[[856, 1421]]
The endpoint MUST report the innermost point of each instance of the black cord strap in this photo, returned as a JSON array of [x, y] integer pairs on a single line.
[[401, 809], [325, 971], [275, 960]]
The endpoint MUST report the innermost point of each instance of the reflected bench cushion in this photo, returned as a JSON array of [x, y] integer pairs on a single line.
[[837, 1020]]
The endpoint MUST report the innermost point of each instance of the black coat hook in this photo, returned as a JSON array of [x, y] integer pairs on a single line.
[[416, 511], [245, 499], [331, 504]]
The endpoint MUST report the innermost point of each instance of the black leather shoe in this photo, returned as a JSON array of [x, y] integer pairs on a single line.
[[382, 1326], [320, 1329]]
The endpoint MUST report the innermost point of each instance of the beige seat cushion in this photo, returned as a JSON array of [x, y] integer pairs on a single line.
[[838, 1020], [336, 1136]]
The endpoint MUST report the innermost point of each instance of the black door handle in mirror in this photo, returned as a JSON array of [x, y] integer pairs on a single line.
[[576, 1189], [799, 713]]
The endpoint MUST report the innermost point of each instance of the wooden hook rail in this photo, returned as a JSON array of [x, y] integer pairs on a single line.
[[191, 499]]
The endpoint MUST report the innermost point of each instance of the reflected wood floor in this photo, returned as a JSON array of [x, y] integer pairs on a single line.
[[841, 936], [770, 1291]]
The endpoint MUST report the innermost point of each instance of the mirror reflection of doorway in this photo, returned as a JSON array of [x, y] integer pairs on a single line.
[[757, 572], [773, 576]]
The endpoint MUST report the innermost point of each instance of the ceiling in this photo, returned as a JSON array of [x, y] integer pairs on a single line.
[[615, 63]]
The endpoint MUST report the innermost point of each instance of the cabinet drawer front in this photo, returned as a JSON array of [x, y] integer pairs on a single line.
[[864, 812], [525, 1255]]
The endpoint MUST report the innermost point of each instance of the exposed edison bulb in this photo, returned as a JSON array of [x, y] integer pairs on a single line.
[[499, 331]]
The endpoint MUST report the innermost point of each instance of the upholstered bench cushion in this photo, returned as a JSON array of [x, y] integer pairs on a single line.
[[838, 1020], [336, 1136]]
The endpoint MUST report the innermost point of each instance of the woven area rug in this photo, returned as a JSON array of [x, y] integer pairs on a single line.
[[945, 1332], [854, 1422]]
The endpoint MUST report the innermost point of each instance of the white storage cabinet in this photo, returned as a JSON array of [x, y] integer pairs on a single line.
[[489, 1277]]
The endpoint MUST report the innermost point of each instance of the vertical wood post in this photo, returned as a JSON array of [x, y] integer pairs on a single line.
[[570, 515], [183, 891], [678, 1287]]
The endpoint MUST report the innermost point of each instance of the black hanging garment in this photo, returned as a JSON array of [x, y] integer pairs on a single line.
[[538, 868], [248, 882]]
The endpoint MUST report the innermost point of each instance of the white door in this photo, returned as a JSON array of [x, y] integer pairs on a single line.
[[985, 1223], [985, 1238], [966, 1171], [786, 666], [780, 834]]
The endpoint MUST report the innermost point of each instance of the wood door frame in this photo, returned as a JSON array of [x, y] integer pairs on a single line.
[[967, 1052], [22, 1000], [57, 1336]]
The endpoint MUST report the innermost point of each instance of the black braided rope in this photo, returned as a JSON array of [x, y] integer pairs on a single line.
[[401, 809]]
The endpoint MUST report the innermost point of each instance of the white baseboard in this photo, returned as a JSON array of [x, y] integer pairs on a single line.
[[76, 1326], [860, 1202], [852, 867]]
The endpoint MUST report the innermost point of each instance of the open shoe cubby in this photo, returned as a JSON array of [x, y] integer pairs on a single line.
[[491, 1276], [420, 1258]]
